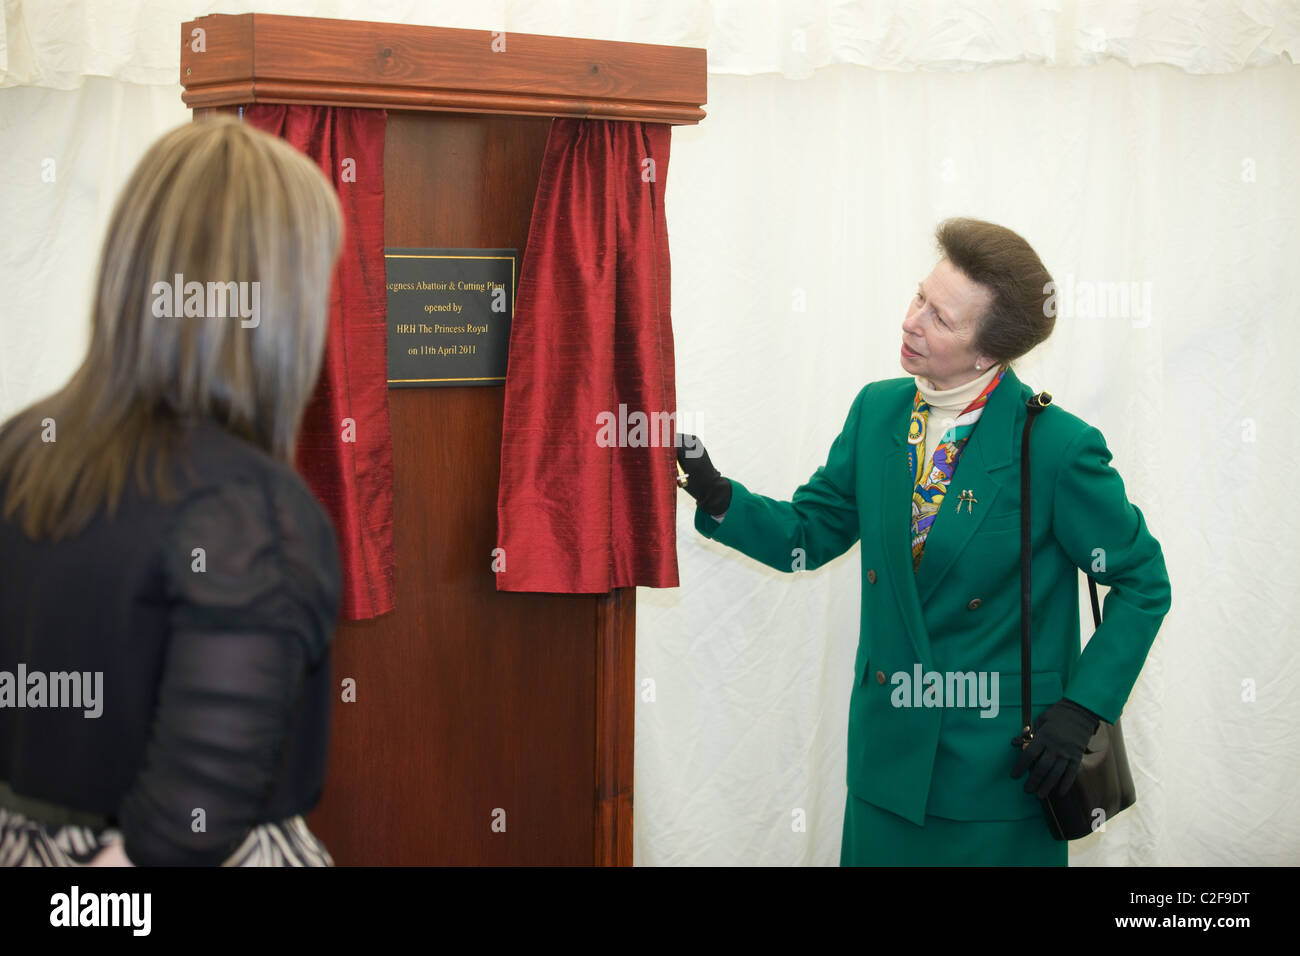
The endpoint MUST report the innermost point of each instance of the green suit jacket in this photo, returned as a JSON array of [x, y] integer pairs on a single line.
[[916, 753]]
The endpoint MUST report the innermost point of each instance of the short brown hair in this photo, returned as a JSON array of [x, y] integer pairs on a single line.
[[1004, 263], [216, 201]]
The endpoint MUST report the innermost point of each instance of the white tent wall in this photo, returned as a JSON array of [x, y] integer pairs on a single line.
[[1138, 147], [65, 158]]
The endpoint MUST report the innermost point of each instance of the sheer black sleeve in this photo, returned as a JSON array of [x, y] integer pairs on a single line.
[[252, 578]]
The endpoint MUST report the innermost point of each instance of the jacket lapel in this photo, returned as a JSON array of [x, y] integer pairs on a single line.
[[896, 532], [985, 470]]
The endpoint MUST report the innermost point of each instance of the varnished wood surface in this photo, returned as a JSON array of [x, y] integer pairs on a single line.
[[471, 700], [267, 58]]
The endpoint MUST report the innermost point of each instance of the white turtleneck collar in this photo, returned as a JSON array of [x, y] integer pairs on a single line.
[[955, 399]]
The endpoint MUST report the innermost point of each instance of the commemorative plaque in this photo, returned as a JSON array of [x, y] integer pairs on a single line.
[[449, 314]]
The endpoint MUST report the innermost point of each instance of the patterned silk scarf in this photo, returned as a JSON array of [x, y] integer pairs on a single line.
[[930, 488]]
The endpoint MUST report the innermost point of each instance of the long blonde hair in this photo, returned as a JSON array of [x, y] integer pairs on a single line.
[[218, 203]]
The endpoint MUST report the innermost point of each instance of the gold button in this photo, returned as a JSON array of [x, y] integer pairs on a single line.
[[871, 575], [880, 677], [975, 602]]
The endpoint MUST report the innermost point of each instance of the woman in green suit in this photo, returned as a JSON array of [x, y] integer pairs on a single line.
[[925, 473]]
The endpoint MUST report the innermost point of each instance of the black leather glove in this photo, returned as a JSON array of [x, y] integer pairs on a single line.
[[1061, 734], [704, 483]]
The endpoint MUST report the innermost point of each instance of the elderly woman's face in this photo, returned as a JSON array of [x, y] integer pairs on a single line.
[[939, 331]]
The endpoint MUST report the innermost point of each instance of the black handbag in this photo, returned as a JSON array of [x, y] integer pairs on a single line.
[[1104, 781]]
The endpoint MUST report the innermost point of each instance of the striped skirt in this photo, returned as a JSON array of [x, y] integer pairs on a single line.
[[27, 842]]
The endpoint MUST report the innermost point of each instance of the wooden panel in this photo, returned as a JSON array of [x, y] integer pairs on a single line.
[[470, 699], [615, 730], [265, 58]]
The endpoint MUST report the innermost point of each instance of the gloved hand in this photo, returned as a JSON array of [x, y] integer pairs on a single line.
[[1061, 734], [704, 483]]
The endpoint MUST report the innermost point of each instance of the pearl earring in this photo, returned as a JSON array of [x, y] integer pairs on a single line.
[[977, 366]]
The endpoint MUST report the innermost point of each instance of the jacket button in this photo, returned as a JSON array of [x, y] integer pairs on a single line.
[[975, 602], [871, 575], [880, 677]]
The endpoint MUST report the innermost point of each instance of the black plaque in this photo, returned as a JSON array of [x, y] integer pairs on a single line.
[[449, 313]]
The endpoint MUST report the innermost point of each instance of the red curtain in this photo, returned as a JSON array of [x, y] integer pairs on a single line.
[[350, 469], [591, 350]]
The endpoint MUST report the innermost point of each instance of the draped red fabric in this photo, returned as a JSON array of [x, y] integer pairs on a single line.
[[345, 451], [591, 361]]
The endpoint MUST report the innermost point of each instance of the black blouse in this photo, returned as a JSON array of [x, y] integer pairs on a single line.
[[210, 621]]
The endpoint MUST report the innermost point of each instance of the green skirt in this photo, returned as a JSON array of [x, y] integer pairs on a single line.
[[876, 837]]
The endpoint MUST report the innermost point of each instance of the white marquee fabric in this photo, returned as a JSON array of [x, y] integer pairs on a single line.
[[55, 42], [1147, 148]]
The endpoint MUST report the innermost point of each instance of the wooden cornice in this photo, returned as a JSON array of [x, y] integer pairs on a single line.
[[265, 58]]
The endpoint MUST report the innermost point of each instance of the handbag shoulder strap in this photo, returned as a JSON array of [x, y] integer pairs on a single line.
[[1033, 407]]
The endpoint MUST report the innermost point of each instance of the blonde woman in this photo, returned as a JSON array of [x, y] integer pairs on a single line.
[[170, 585]]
